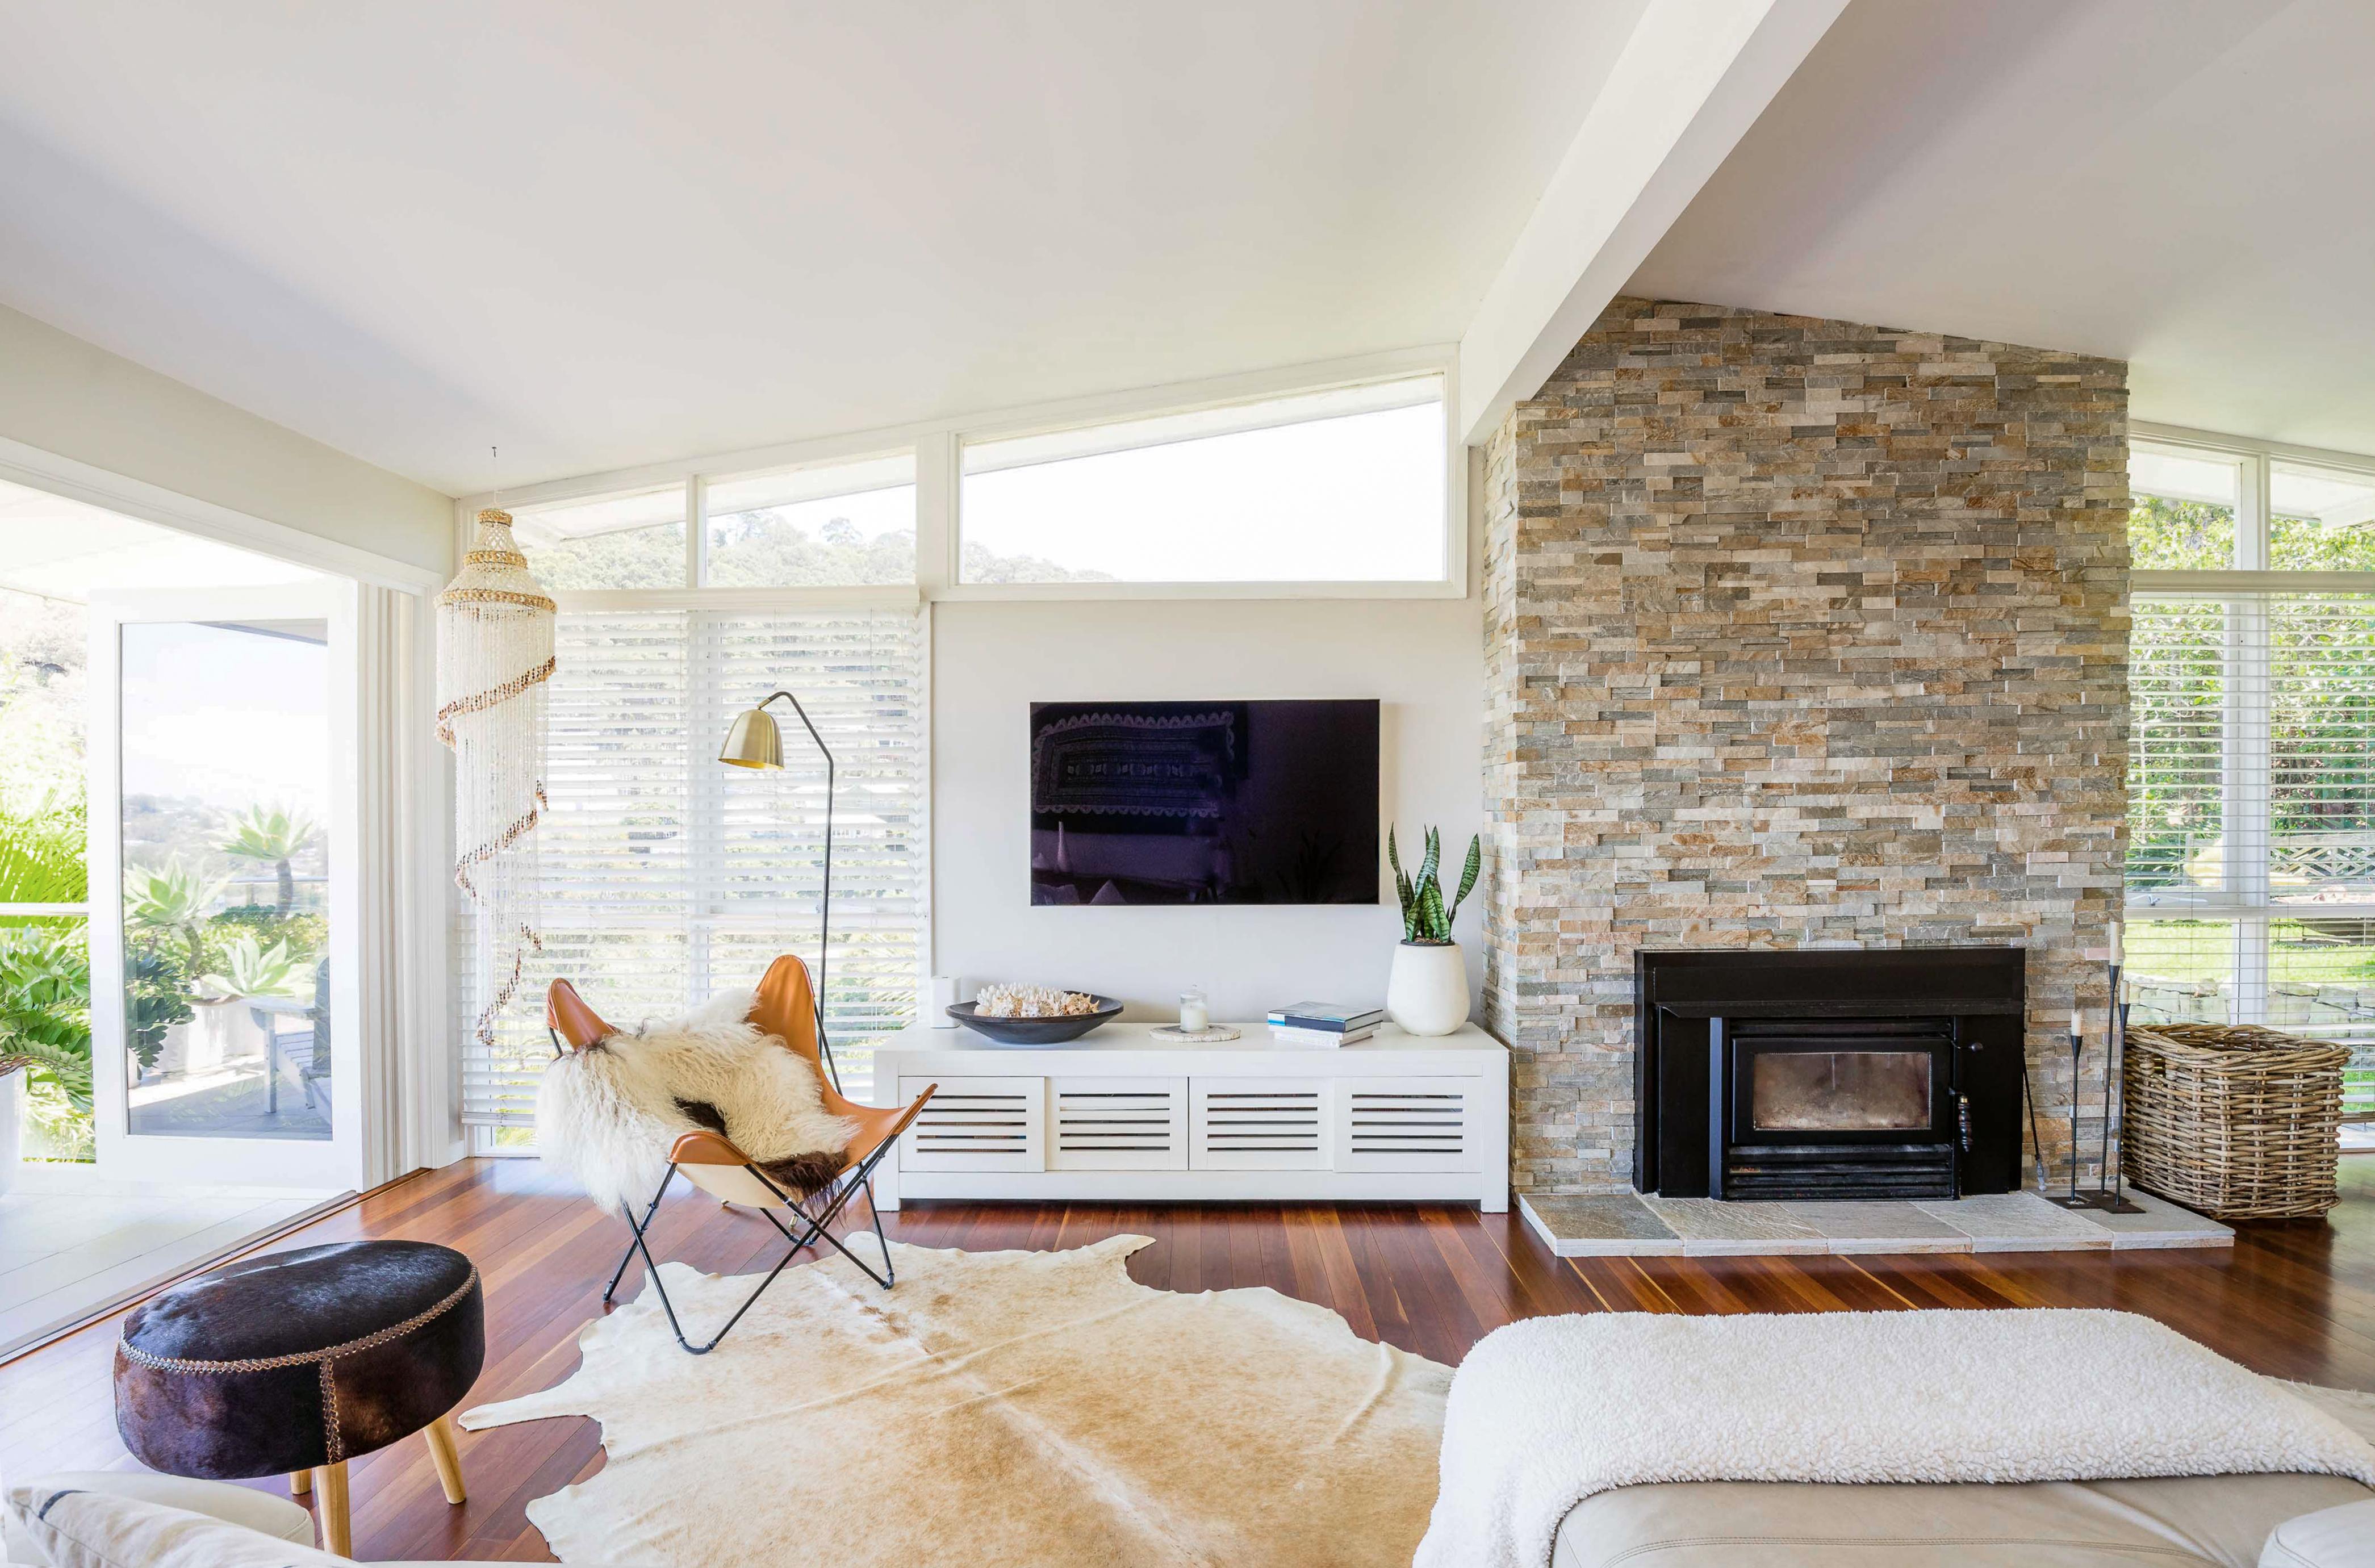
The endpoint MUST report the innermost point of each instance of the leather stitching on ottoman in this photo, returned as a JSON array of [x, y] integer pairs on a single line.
[[226, 1417]]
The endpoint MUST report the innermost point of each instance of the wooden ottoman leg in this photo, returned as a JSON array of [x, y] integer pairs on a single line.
[[300, 1482], [440, 1433], [337, 1533]]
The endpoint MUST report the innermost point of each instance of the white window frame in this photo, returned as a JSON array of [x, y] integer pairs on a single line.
[[413, 1126], [936, 445], [2246, 785]]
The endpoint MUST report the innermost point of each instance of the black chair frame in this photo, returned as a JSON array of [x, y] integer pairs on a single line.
[[834, 1196]]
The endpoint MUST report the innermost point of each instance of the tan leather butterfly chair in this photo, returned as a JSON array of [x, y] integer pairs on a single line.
[[785, 1007]]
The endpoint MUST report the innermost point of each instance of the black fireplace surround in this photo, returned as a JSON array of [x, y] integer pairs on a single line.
[[1828, 1073]]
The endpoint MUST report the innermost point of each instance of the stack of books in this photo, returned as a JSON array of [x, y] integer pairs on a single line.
[[1322, 1025]]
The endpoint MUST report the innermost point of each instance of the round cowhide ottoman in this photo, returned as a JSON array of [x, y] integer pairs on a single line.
[[295, 1362]]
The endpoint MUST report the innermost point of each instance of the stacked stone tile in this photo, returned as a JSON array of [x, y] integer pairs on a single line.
[[1798, 632]]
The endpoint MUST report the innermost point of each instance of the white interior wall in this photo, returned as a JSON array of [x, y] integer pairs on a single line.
[[1422, 659]]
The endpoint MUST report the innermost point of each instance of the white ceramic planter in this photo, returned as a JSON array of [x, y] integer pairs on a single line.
[[1427, 992], [12, 1118], [216, 1034]]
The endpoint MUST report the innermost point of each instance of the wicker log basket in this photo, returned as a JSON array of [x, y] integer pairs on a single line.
[[2236, 1121]]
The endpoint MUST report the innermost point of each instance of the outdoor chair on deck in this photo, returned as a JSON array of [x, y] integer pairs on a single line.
[[308, 1047], [785, 1006]]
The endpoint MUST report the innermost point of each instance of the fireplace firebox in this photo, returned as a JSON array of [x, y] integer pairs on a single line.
[[1828, 1073]]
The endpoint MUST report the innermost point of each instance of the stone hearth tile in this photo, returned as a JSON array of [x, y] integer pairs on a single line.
[[1873, 1227], [1714, 1229], [2019, 1221], [1600, 1225], [2162, 1224]]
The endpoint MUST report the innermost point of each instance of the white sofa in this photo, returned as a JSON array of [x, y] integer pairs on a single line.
[[2273, 1520], [1835, 1526], [271, 1516], [258, 1511]]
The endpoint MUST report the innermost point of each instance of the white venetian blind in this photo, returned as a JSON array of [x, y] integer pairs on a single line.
[[668, 877], [2321, 732], [2181, 671], [2251, 750]]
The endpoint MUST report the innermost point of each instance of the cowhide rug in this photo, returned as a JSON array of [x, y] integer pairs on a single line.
[[1002, 1409]]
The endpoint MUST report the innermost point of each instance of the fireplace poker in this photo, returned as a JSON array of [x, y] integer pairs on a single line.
[[2035, 1139]]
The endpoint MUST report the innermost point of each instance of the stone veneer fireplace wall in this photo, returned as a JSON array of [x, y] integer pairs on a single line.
[[1798, 634]]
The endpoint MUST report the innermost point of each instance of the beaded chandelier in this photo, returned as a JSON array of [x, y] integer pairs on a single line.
[[494, 661]]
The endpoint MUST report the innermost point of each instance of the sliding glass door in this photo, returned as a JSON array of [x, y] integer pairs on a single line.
[[222, 857]]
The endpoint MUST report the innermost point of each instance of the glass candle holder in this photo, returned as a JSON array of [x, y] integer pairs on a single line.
[[1193, 1015]]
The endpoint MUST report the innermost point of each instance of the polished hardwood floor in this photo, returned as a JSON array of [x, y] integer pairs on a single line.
[[2294, 1300]]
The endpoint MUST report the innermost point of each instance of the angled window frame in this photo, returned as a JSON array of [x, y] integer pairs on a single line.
[[937, 447], [1085, 421]]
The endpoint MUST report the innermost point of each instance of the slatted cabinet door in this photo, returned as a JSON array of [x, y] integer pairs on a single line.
[[1117, 1124], [1258, 1124], [976, 1123], [1406, 1123]]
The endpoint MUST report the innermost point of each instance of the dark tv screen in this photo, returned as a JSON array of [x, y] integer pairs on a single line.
[[1269, 802]]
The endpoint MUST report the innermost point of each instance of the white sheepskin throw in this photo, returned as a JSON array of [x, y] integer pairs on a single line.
[[608, 1113], [1545, 1413]]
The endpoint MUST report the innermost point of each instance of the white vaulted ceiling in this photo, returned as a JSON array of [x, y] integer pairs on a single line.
[[2188, 184], [611, 232], [607, 233]]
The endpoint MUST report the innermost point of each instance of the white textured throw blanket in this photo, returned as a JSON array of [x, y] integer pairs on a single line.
[[608, 1113], [1547, 1412]]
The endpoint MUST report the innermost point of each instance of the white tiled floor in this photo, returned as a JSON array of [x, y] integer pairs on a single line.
[[72, 1245], [1625, 1225]]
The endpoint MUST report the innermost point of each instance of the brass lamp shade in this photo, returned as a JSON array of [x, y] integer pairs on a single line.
[[755, 741]]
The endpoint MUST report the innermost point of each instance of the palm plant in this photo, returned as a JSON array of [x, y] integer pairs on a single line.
[[1424, 919], [275, 834], [45, 1008], [170, 899]]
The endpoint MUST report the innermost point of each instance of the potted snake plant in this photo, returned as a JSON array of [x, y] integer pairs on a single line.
[[1427, 991]]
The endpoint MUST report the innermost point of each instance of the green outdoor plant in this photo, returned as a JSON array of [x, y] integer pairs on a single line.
[[170, 899], [307, 933], [1424, 919], [156, 996], [41, 856], [275, 834], [252, 969], [45, 1007]]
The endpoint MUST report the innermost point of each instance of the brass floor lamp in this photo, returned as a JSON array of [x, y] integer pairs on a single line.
[[756, 741]]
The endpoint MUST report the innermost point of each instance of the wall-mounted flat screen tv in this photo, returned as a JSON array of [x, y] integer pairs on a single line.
[[1269, 802]]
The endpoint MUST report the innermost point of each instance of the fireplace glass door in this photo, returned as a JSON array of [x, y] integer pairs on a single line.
[[1839, 1091], [1841, 1081]]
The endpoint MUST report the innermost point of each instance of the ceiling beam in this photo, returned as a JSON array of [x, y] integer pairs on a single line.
[[1694, 75]]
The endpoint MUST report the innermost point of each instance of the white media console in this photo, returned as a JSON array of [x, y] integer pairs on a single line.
[[1123, 1117]]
